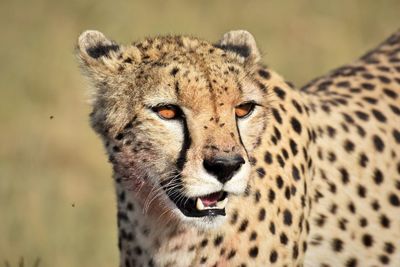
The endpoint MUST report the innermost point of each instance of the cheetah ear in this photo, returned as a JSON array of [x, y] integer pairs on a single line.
[[97, 53], [242, 43]]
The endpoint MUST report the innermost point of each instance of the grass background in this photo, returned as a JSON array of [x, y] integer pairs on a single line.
[[56, 193]]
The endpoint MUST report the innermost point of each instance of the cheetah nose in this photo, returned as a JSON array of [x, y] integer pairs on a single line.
[[223, 168]]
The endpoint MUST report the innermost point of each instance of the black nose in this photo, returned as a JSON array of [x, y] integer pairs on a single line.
[[223, 167]]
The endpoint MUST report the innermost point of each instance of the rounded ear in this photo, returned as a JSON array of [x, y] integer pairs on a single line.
[[93, 48], [242, 43]]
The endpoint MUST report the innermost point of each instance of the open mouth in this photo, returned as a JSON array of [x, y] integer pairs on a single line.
[[209, 205]]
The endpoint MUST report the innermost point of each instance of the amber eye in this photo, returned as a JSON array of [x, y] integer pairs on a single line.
[[168, 112], [244, 109]]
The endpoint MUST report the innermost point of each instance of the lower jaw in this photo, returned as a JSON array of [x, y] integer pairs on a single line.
[[204, 213], [188, 208]]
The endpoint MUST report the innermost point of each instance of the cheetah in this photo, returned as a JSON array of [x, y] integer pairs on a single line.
[[218, 161]]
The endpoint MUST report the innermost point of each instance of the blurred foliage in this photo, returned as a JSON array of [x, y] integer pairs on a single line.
[[56, 191]]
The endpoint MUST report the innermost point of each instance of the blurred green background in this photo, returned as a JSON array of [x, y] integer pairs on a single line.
[[56, 192]]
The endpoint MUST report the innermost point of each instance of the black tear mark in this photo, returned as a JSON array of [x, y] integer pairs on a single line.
[[187, 141], [101, 50]]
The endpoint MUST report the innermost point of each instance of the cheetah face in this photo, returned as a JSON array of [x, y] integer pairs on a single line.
[[180, 119]]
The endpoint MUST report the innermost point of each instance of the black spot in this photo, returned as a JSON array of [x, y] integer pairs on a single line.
[[293, 147], [253, 236], [351, 207], [174, 71], [394, 200], [352, 262], [320, 221], [390, 93], [384, 259], [121, 196], [363, 222], [395, 109], [218, 240], [389, 248], [264, 73], [367, 240], [287, 217], [234, 217], [363, 160], [277, 133], [361, 190], [297, 106], [261, 214], [375, 205], [204, 242], [253, 252], [244, 225], [273, 256], [379, 115], [295, 251], [138, 250], [362, 115], [129, 206], [231, 254], [296, 125], [348, 118], [276, 115], [337, 245], [324, 85], [331, 156], [280, 161], [268, 157], [272, 228], [257, 196], [331, 131], [271, 196], [283, 238], [368, 86], [343, 84], [396, 135], [385, 221], [119, 136], [378, 176], [295, 173], [344, 175], [203, 260], [348, 146], [279, 182], [279, 92], [260, 172], [384, 79], [378, 143]]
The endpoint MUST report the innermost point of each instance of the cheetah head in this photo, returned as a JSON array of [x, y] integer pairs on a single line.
[[180, 118]]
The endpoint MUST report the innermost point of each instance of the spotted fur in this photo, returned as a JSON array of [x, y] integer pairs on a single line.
[[321, 182]]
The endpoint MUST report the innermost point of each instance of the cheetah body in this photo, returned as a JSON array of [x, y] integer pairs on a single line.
[[321, 182]]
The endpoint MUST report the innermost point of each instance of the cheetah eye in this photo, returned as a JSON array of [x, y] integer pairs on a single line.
[[168, 112], [244, 110]]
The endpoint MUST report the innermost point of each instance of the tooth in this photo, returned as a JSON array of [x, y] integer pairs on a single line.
[[199, 204], [222, 204]]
